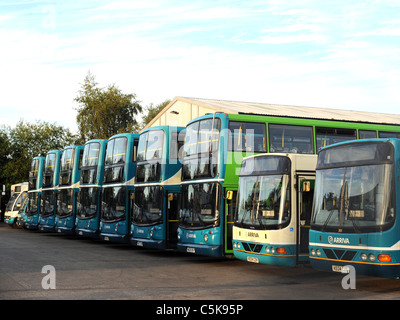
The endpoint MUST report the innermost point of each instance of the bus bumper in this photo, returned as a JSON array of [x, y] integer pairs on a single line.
[[275, 260], [31, 226], [112, 237], [149, 243], [47, 228], [201, 249], [367, 269], [9, 220], [65, 230], [87, 233]]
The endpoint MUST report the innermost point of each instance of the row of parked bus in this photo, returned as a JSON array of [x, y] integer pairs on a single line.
[[264, 189]]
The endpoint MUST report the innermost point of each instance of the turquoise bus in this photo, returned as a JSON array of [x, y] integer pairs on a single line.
[[274, 208], [215, 145], [356, 205], [89, 198], [157, 188], [48, 196], [118, 187], [70, 175], [16, 204], [31, 218]]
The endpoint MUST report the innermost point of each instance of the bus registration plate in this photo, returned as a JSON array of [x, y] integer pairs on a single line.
[[341, 269], [191, 250], [253, 259]]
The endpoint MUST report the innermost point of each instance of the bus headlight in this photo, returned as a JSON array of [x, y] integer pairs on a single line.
[[234, 245], [363, 257], [151, 233], [371, 257], [206, 237], [312, 252], [318, 253]]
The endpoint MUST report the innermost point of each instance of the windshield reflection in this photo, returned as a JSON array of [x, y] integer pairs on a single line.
[[148, 205], [200, 205], [87, 203], [355, 198], [113, 204], [64, 202], [263, 202]]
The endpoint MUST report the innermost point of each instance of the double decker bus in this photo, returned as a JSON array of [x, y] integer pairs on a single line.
[[355, 213], [16, 204], [31, 218], [215, 145], [272, 219], [70, 174], [48, 197], [118, 187], [157, 188], [89, 198]]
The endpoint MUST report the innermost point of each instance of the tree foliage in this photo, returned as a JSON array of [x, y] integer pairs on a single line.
[[150, 112], [103, 112], [27, 140]]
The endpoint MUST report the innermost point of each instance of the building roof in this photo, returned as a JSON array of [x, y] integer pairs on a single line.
[[238, 107], [295, 111]]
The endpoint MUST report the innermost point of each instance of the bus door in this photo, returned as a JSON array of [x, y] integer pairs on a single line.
[[172, 217], [230, 207], [129, 210], [305, 195]]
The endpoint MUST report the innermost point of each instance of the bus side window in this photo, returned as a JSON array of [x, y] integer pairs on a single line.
[[290, 138], [328, 136]]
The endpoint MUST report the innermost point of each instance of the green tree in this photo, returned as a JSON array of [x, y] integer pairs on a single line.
[[26, 141], [103, 112], [150, 112]]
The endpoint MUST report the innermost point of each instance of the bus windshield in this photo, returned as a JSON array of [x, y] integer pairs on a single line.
[[50, 162], [10, 203], [32, 207], [113, 204], [64, 202], [34, 168], [87, 203], [200, 205], [116, 150], [200, 148], [67, 160], [263, 201], [150, 145], [150, 151], [91, 154], [47, 203], [148, 205], [354, 198]]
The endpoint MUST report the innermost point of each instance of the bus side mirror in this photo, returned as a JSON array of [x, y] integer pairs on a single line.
[[229, 195], [170, 196]]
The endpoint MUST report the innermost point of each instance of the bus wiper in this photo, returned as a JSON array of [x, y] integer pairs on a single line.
[[244, 216], [356, 228], [327, 220], [260, 222]]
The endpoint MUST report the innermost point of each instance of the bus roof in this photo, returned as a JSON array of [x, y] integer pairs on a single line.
[[255, 108]]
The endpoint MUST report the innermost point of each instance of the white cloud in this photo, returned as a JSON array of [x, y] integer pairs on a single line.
[[152, 50]]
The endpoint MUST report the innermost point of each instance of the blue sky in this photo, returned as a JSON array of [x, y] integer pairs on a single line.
[[333, 54]]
